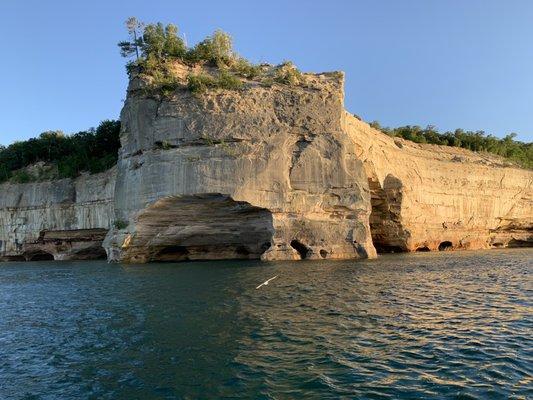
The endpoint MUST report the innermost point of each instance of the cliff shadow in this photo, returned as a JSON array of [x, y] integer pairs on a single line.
[[386, 229]]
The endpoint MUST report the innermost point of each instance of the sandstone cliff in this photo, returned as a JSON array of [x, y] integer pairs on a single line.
[[61, 219], [275, 172], [429, 197], [265, 172]]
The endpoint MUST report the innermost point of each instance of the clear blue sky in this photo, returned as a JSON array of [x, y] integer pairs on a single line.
[[450, 63]]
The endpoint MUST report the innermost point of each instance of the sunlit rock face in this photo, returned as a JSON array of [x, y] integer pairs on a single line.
[[62, 219], [428, 197], [276, 173], [280, 152]]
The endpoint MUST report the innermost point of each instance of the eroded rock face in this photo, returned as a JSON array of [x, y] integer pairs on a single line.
[[428, 197], [63, 219], [277, 173], [281, 150], [199, 227]]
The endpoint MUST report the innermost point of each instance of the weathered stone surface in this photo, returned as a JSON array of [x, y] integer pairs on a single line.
[[62, 219], [277, 173], [428, 197], [279, 149]]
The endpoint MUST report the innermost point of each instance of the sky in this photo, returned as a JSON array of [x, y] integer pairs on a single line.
[[448, 63]]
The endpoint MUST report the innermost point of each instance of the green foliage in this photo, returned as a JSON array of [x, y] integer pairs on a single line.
[[224, 80], [287, 73], [519, 152], [21, 177], [199, 83], [228, 81], [156, 46], [120, 224], [216, 50], [93, 151], [246, 69]]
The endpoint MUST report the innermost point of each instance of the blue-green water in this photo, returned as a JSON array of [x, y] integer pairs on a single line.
[[445, 326]]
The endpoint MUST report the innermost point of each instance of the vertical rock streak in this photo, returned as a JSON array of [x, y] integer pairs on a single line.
[[277, 173]]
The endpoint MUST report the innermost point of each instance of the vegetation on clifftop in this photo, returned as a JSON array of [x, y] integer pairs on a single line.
[[65, 156], [516, 151], [155, 47]]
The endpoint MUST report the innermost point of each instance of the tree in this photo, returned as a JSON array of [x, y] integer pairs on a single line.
[[128, 48]]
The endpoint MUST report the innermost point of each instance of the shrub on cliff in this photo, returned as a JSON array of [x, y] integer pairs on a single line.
[[224, 80], [519, 152], [288, 74], [216, 50], [156, 46], [94, 150]]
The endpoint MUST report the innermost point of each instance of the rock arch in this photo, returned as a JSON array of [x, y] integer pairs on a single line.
[[302, 249], [199, 227], [423, 249]]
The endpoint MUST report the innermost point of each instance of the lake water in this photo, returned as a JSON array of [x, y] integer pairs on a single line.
[[451, 325]]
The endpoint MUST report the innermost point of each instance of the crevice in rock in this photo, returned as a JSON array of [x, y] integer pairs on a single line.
[[386, 229], [423, 249], [301, 248], [520, 243]]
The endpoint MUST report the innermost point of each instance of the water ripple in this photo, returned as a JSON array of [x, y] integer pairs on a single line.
[[445, 326]]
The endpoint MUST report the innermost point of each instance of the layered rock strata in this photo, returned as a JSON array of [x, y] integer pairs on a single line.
[[272, 172], [428, 197], [62, 219], [264, 172]]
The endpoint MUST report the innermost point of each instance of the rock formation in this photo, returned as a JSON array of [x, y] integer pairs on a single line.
[[263, 172], [429, 197], [273, 172], [62, 219]]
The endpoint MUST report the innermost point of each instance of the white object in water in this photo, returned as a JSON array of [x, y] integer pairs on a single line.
[[266, 282]]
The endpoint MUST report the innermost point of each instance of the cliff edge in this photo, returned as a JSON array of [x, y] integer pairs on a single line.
[[270, 171], [429, 197], [264, 172]]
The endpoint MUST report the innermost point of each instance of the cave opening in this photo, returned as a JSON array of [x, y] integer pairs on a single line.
[[172, 253], [202, 227], [42, 256], [423, 249], [301, 248], [380, 248], [90, 253], [519, 243], [446, 245]]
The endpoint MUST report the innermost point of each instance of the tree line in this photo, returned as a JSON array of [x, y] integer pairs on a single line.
[[514, 150], [93, 151]]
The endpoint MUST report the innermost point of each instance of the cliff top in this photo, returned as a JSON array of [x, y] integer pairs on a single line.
[[432, 151]]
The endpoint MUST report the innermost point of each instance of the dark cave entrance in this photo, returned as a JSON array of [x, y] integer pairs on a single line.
[[423, 249], [302, 249], [42, 256], [446, 245]]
